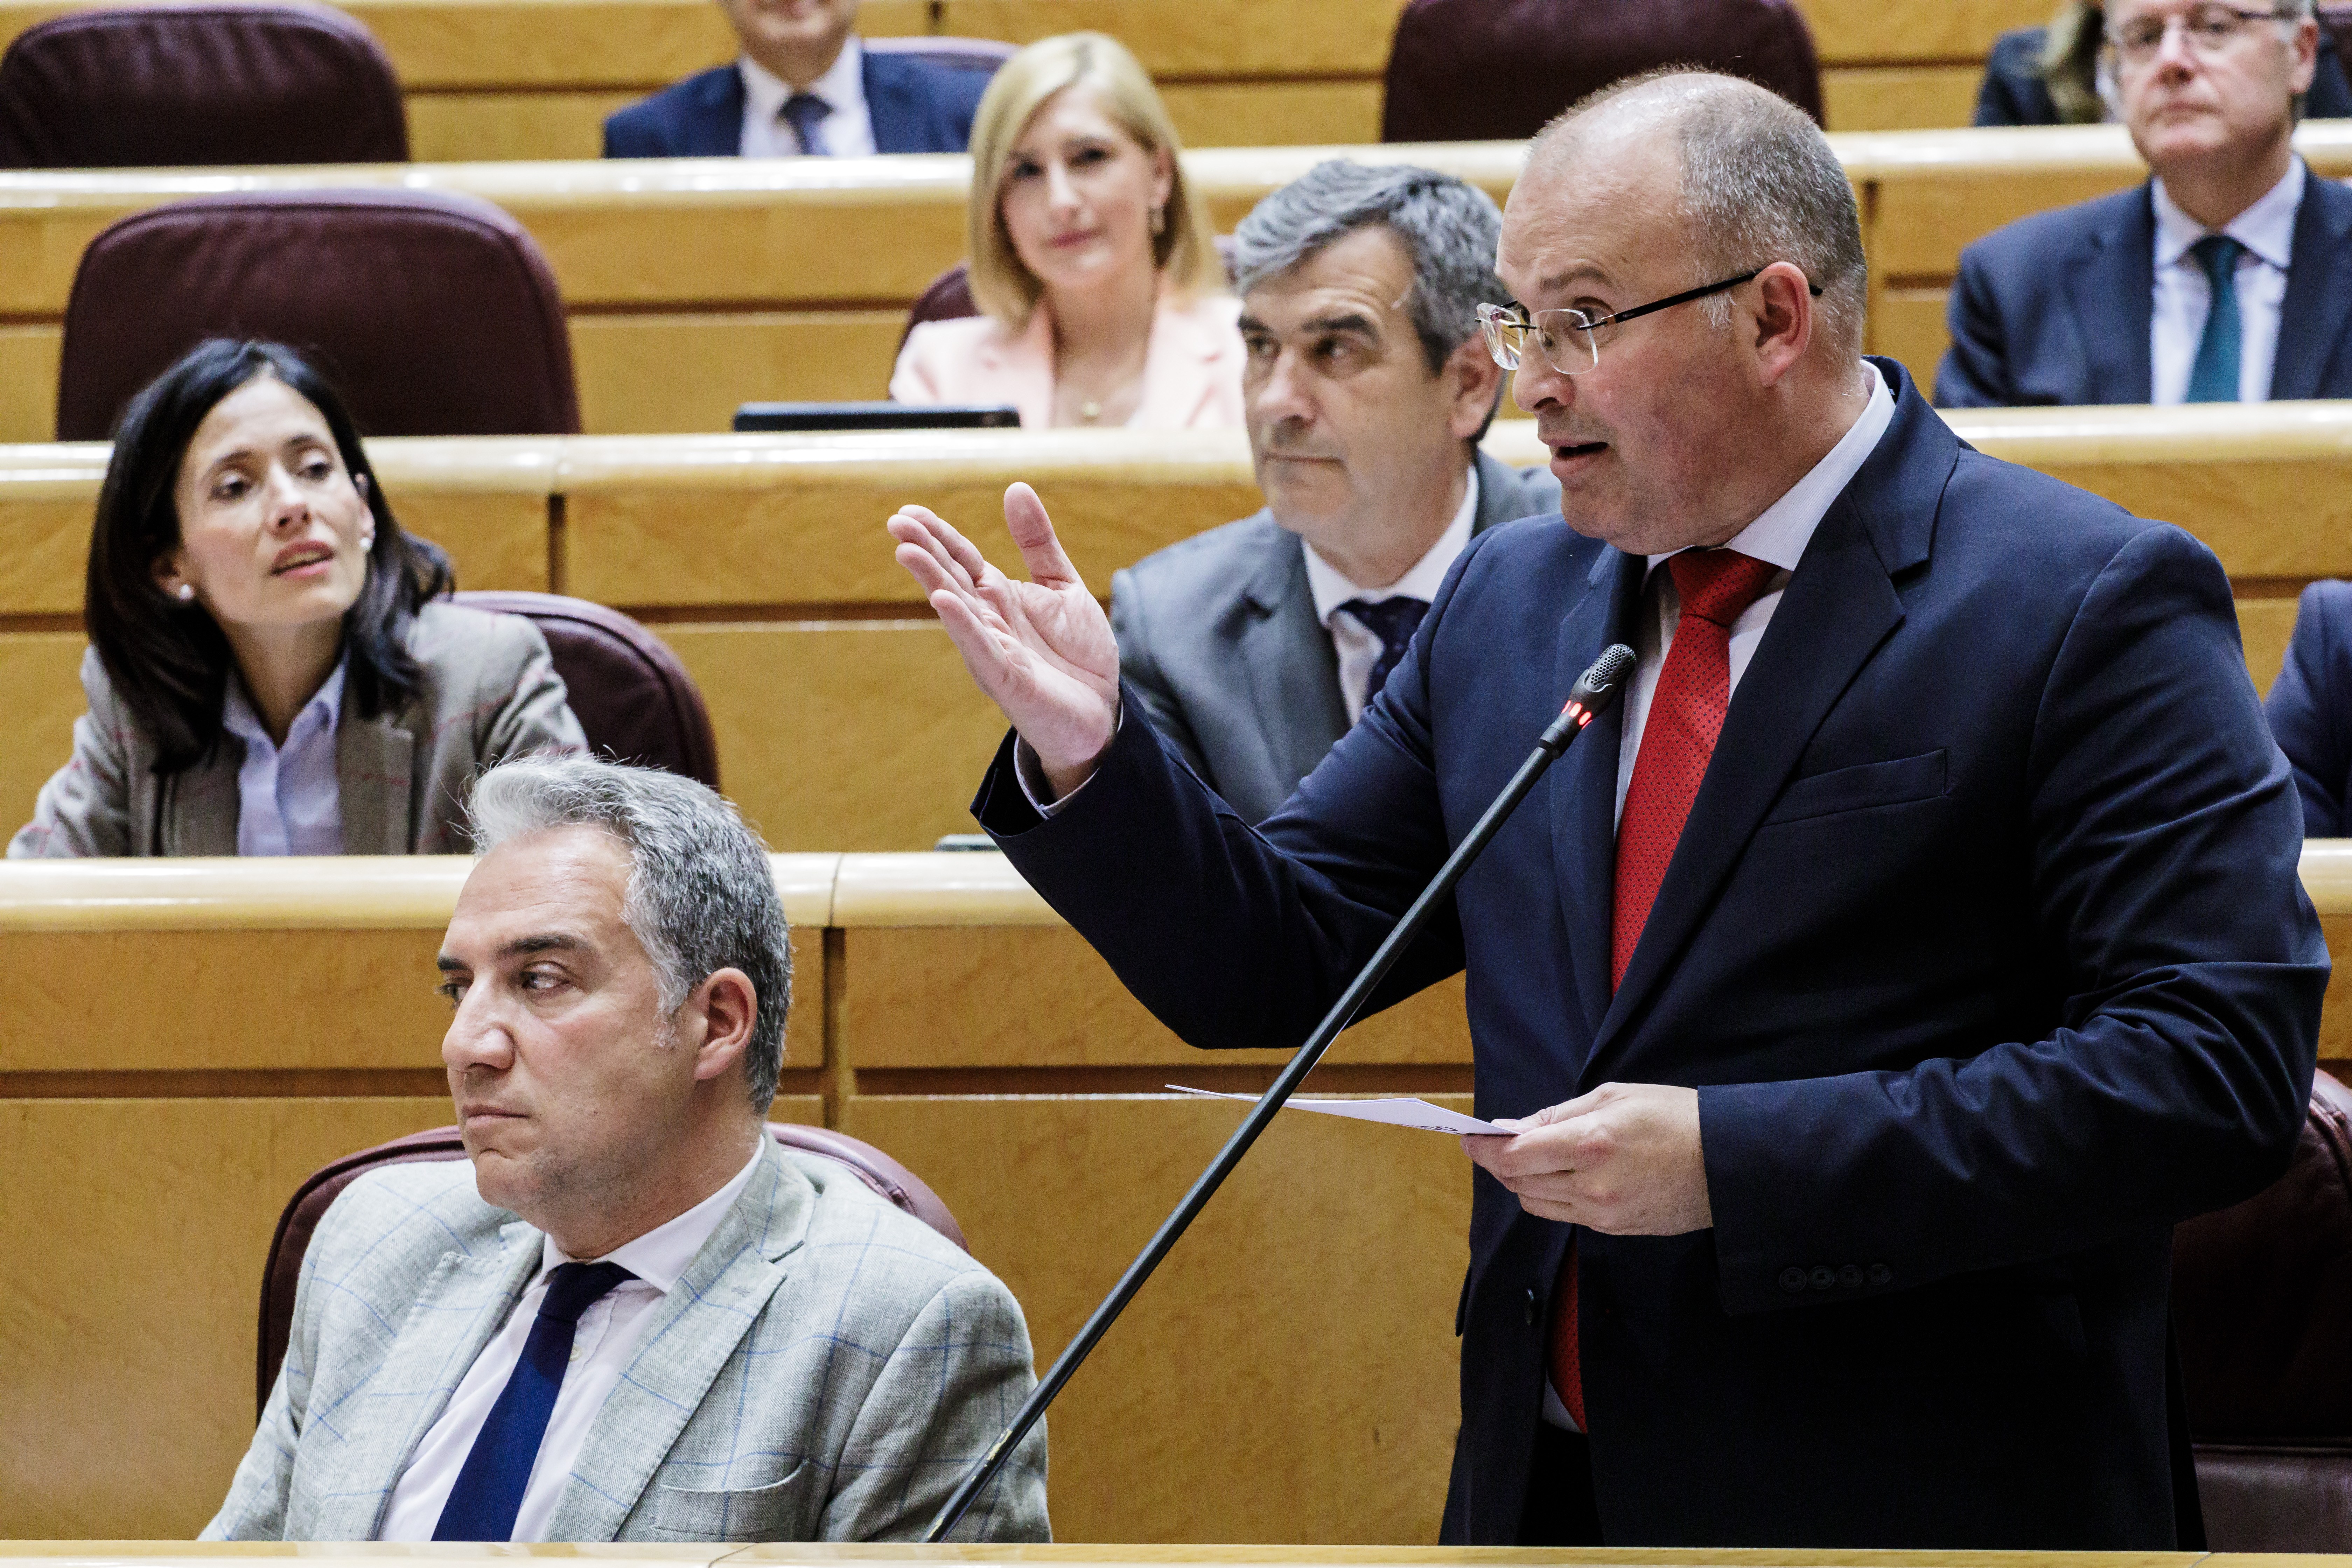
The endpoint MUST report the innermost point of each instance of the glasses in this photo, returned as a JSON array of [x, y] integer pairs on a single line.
[[1570, 340], [2209, 30]]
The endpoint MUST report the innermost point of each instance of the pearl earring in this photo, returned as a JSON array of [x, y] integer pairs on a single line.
[[367, 541], [187, 591]]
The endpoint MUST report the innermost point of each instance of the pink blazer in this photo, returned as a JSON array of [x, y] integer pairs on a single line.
[[1191, 372]]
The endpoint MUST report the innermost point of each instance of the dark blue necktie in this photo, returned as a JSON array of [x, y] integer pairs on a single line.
[[488, 1494], [804, 111], [1393, 621], [2214, 377]]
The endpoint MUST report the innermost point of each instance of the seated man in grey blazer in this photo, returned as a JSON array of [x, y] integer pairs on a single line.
[[2227, 277], [632, 1316], [1256, 645]]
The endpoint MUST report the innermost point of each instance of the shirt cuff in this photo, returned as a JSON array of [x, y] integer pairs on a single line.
[[1032, 773]]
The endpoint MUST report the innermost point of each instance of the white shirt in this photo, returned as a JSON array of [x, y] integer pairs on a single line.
[[847, 132], [1779, 535], [602, 1344], [2184, 297], [1357, 644], [289, 800]]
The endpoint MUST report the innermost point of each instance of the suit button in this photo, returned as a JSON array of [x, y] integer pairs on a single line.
[[1823, 1276], [1879, 1273], [1792, 1281], [1850, 1277], [1528, 1312]]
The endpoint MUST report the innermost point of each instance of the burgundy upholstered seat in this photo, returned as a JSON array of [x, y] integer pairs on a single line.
[[434, 312], [188, 84], [2261, 1301], [629, 691], [283, 1271], [1469, 70]]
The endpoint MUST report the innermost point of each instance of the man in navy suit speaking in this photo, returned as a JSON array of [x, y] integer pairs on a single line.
[[1873, 988], [805, 85]]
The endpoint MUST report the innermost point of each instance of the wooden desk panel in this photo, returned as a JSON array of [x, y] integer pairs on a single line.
[[1314, 1296]]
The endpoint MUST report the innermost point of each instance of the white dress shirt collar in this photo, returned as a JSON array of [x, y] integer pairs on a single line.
[[289, 797], [1332, 589], [2266, 228], [848, 130], [660, 1255], [1782, 529]]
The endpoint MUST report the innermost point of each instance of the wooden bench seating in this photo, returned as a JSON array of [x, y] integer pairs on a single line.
[[694, 286], [844, 719], [535, 78], [187, 1040]]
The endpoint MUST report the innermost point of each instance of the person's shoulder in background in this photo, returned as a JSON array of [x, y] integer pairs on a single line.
[[921, 105], [701, 117], [1192, 372], [2012, 93], [2310, 707]]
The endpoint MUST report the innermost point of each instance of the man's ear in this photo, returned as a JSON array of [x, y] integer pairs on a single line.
[[1472, 380], [1783, 319], [725, 1006]]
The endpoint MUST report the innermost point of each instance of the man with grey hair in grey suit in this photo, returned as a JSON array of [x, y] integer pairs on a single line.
[[1254, 647], [633, 1316]]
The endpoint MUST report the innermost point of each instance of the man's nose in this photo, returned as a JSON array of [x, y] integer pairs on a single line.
[[1282, 393], [2173, 51], [478, 1038], [1535, 384]]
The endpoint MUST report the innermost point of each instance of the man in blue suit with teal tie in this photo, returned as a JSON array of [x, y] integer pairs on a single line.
[[2226, 279], [805, 85], [1870, 991]]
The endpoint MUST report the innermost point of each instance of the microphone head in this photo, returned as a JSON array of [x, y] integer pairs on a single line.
[[1604, 682]]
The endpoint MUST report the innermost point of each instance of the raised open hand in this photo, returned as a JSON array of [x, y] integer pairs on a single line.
[[1042, 650]]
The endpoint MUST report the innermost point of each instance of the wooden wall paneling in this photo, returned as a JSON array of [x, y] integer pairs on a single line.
[[136, 1231], [40, 696], [799, 520], [689, 371], [975, 997], [479, 127], [1212, 39], [1907, 325], [2265, 625], [1274, 113], [1289, 1375], [1849, 32], [1898, 98], [28, 381], [855, 735]]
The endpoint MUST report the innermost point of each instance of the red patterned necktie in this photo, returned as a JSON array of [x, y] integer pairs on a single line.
[[1677, 740]]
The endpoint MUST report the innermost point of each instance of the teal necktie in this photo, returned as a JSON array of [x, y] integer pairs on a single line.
[[2214, 377]]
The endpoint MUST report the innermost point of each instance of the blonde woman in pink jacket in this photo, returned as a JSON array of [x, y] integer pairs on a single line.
[[1103, 298]]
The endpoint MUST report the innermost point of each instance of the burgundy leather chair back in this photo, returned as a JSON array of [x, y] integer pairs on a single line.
[[181, 85], [2262, 1302], [1476, 70], [311, 1200], [2337, 20], [629, 691], [435, 313], [958, 54]]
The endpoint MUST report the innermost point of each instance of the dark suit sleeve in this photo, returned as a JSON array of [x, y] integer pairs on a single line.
[[2310, 708], [1140, 669], [630, 134], [1975, 372], [1242, 936], [2163, 840]]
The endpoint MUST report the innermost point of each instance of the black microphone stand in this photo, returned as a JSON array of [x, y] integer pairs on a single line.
[[1595, 690]]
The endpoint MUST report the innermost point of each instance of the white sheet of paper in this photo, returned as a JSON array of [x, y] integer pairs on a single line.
[[1396, 1112]]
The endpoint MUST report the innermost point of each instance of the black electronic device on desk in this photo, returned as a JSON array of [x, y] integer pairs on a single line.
[[803, 417]]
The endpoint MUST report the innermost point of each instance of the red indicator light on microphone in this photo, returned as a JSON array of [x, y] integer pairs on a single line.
[[1581, 714]]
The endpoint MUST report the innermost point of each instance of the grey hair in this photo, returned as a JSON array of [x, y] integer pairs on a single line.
[[1760, 185], [701, 894], [1448, 227]]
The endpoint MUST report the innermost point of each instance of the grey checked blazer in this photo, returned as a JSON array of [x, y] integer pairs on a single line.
[[828, 1369], [491, 692], [1217, 637]]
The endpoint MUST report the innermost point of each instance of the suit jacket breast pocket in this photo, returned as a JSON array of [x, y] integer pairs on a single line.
[[749, 1513], [1862, 787]]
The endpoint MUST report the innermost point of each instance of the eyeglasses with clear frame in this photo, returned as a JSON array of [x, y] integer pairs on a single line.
[[2210, 30], [1568, 338]]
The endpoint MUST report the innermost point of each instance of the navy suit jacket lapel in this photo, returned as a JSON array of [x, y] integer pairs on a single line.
[[1583, 784], [1841, 604], [2111, 281], [2318, 290], [715, 127]]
